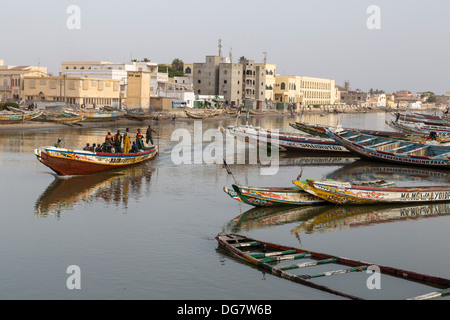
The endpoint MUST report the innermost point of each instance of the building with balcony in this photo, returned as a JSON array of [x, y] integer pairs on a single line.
[[12, 80]]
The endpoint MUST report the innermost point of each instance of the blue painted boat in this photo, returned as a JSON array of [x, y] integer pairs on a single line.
[[393, 150]]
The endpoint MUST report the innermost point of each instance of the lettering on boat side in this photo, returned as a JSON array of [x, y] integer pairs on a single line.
[[443, 195], [191, 149], [74, 280]]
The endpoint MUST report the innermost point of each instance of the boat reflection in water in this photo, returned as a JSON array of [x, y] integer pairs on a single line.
[[325, 218], [270, 216], [363, 170], [111, 187], [339, 218]]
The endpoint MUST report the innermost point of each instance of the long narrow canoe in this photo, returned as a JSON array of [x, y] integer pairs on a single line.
[[200, 116], [287, 140], [393, 150], [66, 162], [321, 131], [95, 116], [420, 128], [350, 193], [276, 259], [11, 117], [271, 197]]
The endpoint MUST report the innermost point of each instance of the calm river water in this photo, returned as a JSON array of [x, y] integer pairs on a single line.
[[149, 232]]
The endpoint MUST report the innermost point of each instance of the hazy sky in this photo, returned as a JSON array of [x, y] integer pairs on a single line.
[[318, 38]]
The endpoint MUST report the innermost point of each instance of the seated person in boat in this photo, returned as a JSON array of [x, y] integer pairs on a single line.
[[92, 149], [99, 148], [88, 147], [58, 143], [134, 148]]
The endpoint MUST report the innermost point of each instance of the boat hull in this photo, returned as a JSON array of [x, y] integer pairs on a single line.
[[288, 141], [384, 153], [345, 193], [66, 162], [18, 117], [271, 257], [272, 197]]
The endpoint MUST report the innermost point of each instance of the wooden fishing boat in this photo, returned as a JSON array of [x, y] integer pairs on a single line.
[[277, 260], [196, 116], [11, 117], [66, 162], [138, 115], [272, 197], [392, 150], [420, 117], [355, 193], [95, 116], [321, 131], [420, 128], [58, 117], [256, 112], [286, 140]]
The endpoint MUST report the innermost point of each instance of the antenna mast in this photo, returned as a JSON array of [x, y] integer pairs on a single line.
[[220, 48]]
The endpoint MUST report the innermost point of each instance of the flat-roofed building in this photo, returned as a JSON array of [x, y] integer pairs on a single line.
[[355, 98], [242, 82], [89, 92], [304, 91], [12, 77]]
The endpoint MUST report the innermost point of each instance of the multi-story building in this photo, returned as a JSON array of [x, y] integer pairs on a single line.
[[230, 83], [356, 98], [12, 78], [89, 92], [304, 91], [270, 82], [243, 82], [378, 100]]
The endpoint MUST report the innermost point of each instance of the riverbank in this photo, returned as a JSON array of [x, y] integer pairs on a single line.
[[180, 116]]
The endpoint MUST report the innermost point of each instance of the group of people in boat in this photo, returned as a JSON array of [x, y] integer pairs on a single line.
[[119, 143]]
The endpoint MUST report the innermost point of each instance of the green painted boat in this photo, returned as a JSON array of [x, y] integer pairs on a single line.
[[313, 270], [271, 197]]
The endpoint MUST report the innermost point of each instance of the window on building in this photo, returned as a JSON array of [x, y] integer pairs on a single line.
[[283, 86]]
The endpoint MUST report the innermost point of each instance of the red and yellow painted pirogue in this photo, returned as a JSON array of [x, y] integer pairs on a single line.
[[275, 259], [67, 162]]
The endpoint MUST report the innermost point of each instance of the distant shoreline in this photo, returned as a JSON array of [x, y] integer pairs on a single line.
[[180, 117]]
